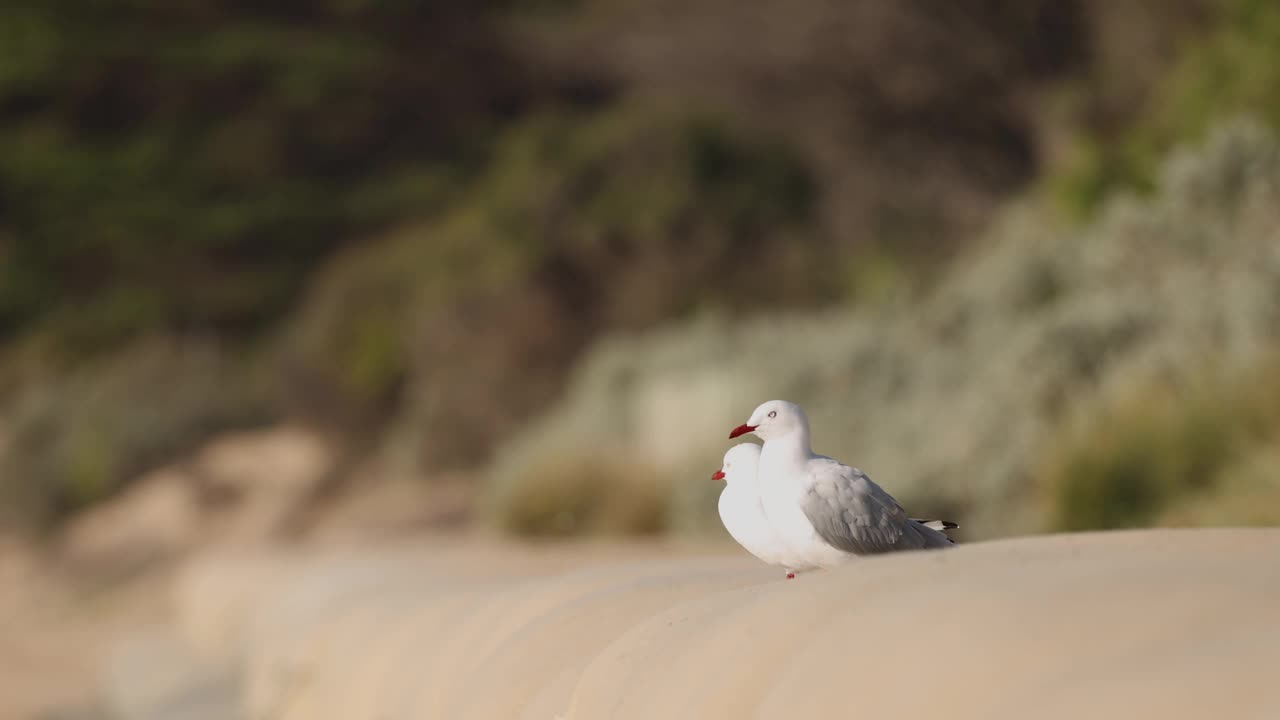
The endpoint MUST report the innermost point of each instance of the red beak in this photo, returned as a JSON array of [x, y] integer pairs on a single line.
[[741, 430], [717, 475]]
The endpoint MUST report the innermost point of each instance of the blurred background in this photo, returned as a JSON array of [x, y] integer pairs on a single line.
[[349, 268]]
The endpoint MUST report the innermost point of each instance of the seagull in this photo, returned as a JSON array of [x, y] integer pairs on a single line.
[[823, 510], [743, 516]]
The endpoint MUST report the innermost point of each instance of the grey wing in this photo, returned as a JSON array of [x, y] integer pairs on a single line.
[[852, 513]]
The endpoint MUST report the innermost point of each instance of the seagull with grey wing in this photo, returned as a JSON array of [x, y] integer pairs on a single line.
[[823, 510]]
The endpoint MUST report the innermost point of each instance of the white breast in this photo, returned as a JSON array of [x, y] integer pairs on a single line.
[[781, 503], [781, 493], [743, 517]]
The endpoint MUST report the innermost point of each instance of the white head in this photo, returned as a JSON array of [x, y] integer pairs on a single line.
[[740, 464], [773, 420]]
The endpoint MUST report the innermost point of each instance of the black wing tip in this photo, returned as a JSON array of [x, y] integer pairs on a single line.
[[946, 524]]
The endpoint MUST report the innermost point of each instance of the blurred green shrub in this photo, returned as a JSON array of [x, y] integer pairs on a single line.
[[72, 439], [233, 169], [169, 166], [1154, 453], [951, 400], [1233, 69], [435, 338], [583, 495], [1245, 492], [458, 327]]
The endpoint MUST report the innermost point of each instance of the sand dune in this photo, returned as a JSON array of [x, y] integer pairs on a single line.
[[1169, 624]]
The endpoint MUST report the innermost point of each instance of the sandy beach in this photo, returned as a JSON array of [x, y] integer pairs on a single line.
[[1161, 623]]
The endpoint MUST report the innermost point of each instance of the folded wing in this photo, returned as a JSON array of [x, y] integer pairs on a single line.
[[853, 514]]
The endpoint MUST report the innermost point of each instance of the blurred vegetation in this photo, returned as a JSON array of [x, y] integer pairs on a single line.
[[1162, 451], [423, 226], [186, 165], [79, 437], [584, 495], [465, 324], [1233, 69], [953, 401]]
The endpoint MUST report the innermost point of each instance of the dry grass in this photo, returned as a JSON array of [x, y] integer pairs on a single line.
[[582, 494], [1192, 453]]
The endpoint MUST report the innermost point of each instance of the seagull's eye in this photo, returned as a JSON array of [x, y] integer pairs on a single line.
[[773, 413]]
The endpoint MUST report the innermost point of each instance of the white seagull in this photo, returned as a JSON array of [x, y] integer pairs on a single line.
[[824, 511], [742, 514]]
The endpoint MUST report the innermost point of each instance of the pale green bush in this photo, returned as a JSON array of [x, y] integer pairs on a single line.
[[73, 439], [1185, 451], [1245, 493], [948, 401]]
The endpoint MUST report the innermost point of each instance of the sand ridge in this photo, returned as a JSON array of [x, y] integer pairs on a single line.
[[1170, 624]]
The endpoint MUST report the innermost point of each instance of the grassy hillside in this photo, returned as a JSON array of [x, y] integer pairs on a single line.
[[406, 224], [1006, 398]]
